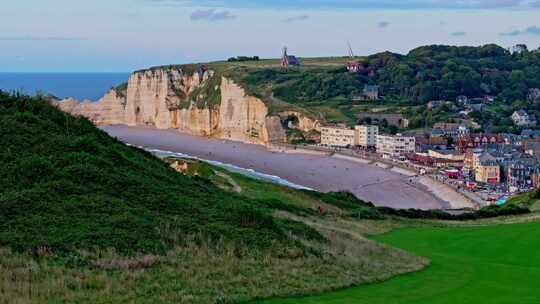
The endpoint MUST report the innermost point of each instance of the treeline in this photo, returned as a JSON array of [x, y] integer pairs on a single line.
[[446, 72], [426, 73], [355, 208], [243, 58]]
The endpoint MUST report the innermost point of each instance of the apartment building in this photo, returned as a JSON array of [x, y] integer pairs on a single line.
[[336, 136], [366, 136], [395, 145]]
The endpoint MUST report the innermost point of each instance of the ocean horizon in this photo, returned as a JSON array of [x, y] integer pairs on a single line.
[[80, 85]]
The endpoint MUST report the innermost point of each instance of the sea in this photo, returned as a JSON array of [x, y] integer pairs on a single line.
[[82, 86]]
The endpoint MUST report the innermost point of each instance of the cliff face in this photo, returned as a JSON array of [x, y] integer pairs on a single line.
[[199, 103]]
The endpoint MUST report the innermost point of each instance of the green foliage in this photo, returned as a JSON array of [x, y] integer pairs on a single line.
[[121, 90], [66, 185], [349, 203], [186, 68], [359, 209], [208, 95], [243, 58], [486, 212]]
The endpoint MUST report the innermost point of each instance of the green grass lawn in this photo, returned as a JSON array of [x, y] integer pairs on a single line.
[[495, 264]]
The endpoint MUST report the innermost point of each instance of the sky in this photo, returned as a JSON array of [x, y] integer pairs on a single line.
[[125, 35]]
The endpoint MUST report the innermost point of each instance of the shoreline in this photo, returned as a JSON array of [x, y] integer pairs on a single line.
[[319, 171]]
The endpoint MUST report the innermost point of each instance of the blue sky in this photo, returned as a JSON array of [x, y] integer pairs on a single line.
[[124, 35]]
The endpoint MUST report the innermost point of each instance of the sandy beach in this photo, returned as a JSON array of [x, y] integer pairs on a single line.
[[371, 183]]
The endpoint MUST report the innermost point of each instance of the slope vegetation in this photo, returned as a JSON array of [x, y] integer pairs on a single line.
[[64, 184], [87, 219]]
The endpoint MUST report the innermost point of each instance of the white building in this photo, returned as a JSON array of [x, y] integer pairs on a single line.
[[395, 145], [366, 136], [337, 136], [523, 119]]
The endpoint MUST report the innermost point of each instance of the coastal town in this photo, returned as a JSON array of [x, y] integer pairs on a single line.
[[494, 166], [486, 159]]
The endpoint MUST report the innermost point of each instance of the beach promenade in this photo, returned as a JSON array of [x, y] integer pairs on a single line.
[[372, 182]]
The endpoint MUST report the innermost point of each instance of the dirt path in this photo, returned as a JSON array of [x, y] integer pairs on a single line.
[[235, 187]]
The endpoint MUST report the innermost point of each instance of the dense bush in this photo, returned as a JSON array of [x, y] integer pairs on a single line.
[[486, 212], [243, 58], [359, 209], [352, 206]]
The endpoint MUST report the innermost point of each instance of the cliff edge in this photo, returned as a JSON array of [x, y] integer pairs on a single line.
[[196, 101]]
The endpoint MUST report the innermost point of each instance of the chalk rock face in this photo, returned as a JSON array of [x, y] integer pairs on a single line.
[[110, 109], [241, 117], [163, 98], [153, 96]]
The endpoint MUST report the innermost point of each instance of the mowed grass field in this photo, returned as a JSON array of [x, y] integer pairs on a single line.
[[492, 264]]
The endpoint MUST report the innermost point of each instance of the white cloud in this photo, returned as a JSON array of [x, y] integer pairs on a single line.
[[531, 30], [297, 18], [211, 15]]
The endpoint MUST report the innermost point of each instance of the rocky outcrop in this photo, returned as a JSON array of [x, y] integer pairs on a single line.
[[109, 110], [304, 122], [170, 98]]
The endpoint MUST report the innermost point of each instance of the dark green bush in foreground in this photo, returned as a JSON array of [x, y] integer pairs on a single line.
[[66, 185], [360, 209], [486, 212]]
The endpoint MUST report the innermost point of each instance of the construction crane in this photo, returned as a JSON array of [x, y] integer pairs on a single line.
[[351, 53]]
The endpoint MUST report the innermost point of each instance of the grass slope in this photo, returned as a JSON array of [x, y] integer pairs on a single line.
[[493, 264], [87, 219], [66, 185]]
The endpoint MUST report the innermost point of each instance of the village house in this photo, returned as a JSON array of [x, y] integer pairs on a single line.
[[472, 141], [521, 174], [527, 133], [475, 107], [449, 130], [535, 178], [354, 66], [462, 100], [523, 119], [435, 104], [450, 155], [371, 92], [395, 146], [488, 172], [534, 95], [531, 147]]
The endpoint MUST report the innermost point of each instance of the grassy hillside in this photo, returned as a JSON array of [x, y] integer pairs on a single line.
[[87, 219], [60, 176], [468, 265], [529, 200]]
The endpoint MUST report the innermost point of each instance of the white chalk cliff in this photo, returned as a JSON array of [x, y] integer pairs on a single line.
[[169, 98]]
